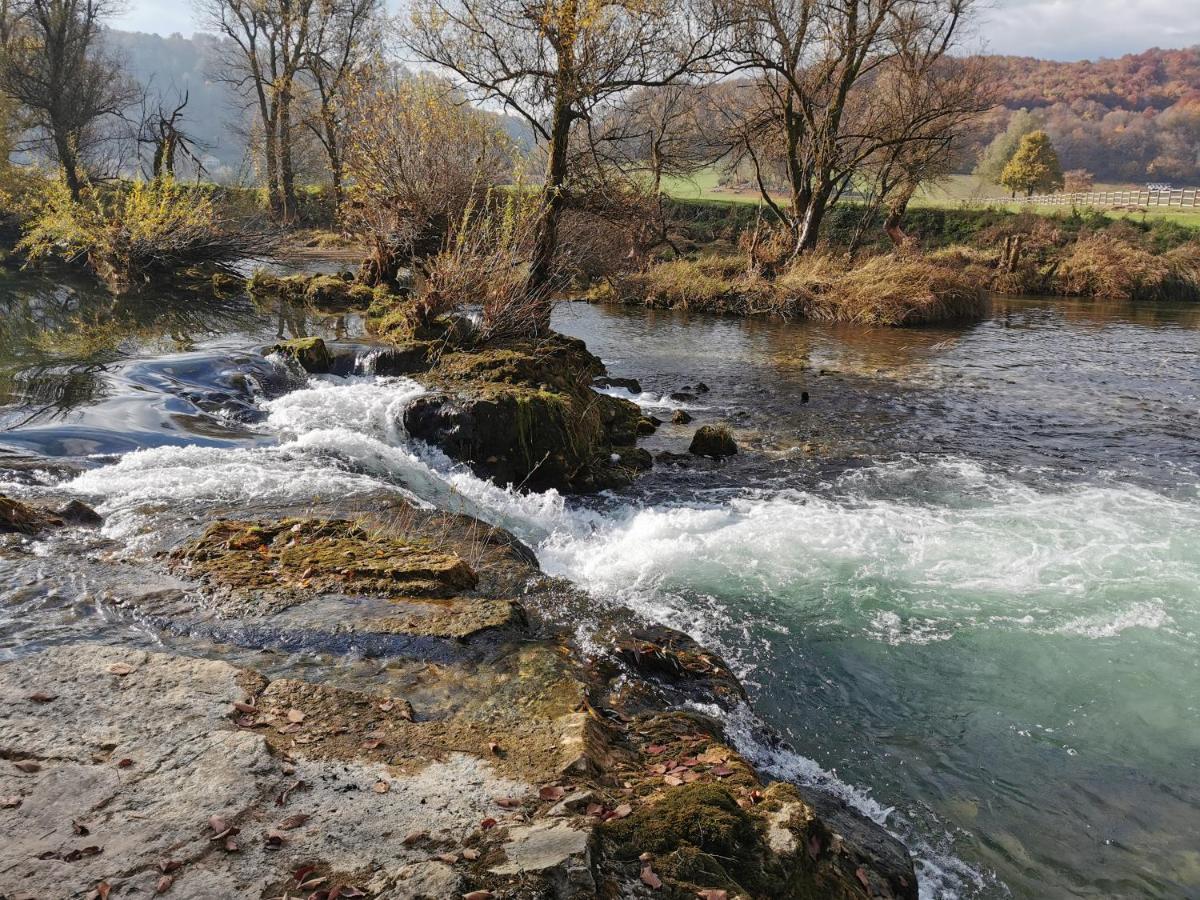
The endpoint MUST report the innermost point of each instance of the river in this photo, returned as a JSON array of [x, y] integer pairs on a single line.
[[962, 580]]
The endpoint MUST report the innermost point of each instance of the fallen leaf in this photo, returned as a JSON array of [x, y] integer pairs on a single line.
[[494, 747], [312, 883], [381, 787], [79, 828], [294, 821], [508, 802], [713, 894], [651, 880], [124, 763], [552, 792], [295, 716], [861, 874], [487, 823], [373, 744], [658, 769], [622, 811], [81, 853], [478, 895], [673, 780], [100, 891], [121, 669], [351, 891], [690, 777], [164, 884], [386, 705], [245, 707], [413, 837], [470, 854], [646, 857], [405, 711], [656, 749], [231, 845], [168, 865], [10, 802], [723, 771], [283, 795], [42, 697], [448, 858], [594, 809], [274, 840], [27, 765]]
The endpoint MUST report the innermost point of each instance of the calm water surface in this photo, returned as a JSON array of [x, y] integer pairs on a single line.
[[963, 579]]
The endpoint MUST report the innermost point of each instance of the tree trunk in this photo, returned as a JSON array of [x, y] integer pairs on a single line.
[[67, 159], [896, 210], [271, 151], [334, 152], [545, 247], [814, 215], [287, 170]]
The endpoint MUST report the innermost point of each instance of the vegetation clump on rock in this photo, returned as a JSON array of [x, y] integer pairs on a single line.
[[713, 440]]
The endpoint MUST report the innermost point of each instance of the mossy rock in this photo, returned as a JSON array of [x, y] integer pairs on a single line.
[[703, 816], [298, 557], [713, 440], [310, 353]]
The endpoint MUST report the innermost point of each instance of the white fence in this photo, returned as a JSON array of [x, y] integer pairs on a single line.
[[1188, 198]]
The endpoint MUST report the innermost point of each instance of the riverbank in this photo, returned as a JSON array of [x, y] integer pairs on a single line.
[[512, 764]]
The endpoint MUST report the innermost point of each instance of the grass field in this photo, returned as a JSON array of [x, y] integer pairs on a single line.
[[955, 192]]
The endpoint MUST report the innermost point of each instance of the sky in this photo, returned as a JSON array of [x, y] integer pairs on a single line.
[[1050, 29]]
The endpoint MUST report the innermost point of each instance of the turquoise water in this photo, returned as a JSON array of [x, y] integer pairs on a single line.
[[963, 580]]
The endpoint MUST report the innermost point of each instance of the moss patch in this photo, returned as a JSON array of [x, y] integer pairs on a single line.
[[311, 353], [294, 558]]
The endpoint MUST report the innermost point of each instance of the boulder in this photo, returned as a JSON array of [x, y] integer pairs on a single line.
[[715, 441], [681, 417], [309, 353], [21, 518], [629, 384]]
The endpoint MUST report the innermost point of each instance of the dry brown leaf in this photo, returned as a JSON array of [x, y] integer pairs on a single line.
[[295, 821], [164, 884], [231, 846], [470, 854], [861, 874], [723, 771], [124, 763], [508, 802], [381, 787], [282, 798], [656, 749], [295, 716], [478, 895], [80, 829], [373, 744], [168, 865], [274, 840], [413, 837], [622, 811], [245, 707], [100, 891], [10, 802], [713, 894], [218, 824], [487, 823], [121, 669], [27, 765], [449, 859], [552, 792], [672, 780], [494, 747], [651, 880], [43, 697]]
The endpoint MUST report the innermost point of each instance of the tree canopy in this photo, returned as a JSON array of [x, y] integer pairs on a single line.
[[1034, 168]]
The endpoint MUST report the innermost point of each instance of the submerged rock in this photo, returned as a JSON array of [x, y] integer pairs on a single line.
[[681, 417], [22, 518], [713, 440], [310, 353], [629, 384]]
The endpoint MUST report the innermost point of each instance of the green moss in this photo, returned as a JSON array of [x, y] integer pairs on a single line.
[[311, 353], [705, 817]]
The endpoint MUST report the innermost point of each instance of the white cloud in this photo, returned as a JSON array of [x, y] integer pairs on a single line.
[[1051, 29], [1087, 29]]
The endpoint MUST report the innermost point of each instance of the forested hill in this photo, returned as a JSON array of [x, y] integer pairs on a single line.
[[1153, 80]]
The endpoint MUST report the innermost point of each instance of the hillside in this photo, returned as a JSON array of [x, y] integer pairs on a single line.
[[1130, 119]]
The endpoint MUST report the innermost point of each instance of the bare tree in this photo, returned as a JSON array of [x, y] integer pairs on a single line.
[[554, 63], [269, 40], [344, 38], [162, 131], [54, 66], [806, 106]]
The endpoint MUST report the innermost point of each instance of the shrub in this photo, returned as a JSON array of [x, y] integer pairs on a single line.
[[139, 230], [1104, 265]]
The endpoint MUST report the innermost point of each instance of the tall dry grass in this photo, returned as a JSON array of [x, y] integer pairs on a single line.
[[883, 290]]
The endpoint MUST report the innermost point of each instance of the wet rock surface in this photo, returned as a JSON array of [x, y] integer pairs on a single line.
[[714, 441]]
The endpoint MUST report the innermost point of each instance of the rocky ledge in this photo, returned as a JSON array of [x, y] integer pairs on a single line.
[[489, 759]]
